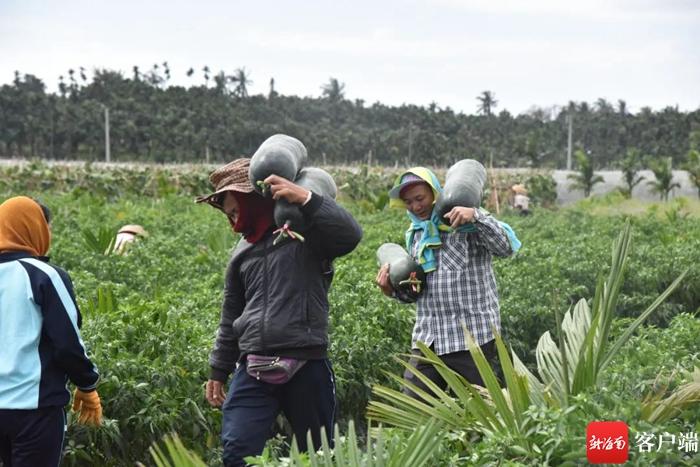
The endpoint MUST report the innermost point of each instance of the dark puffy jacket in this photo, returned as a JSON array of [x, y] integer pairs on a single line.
[[276, 296]]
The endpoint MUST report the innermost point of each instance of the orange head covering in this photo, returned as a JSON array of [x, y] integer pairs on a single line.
[[23, 227]]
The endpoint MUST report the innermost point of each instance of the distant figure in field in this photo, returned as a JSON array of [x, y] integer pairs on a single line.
[[521, 202], [127, 235], [40, 344]]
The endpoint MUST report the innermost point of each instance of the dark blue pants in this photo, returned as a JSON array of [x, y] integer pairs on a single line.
[[32, 438], [251, 407]]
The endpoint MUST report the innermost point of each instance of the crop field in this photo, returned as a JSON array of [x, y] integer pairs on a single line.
[[149, 319]]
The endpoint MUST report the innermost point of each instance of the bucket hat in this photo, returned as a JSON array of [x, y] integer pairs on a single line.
[[231, 177]]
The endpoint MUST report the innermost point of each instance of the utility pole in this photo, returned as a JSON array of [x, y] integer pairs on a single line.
[[108, 156], [410, 142], [494, 186], [570, 119], [52, 134]]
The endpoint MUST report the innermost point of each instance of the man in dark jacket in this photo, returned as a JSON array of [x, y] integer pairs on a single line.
[[40, 344], [274, 320]]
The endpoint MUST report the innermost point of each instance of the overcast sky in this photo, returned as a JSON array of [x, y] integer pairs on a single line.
[[529, 52]]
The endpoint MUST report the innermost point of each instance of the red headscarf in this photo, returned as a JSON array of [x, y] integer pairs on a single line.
[[255, 215]]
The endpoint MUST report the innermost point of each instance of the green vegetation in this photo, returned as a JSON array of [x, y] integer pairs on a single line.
[[693, 167], [586, 178], [566, 370], [215, 119], [630, 165], [150, 317], [663, 171]]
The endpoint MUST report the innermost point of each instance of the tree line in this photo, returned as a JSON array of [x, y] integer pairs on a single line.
[[152, 120]]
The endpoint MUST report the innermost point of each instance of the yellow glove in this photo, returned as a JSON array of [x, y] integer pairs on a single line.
[[89, 406]]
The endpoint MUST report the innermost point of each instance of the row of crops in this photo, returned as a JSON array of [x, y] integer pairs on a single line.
[[150, 317]]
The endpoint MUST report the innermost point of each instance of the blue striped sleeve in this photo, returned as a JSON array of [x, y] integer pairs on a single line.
[[53, 292]]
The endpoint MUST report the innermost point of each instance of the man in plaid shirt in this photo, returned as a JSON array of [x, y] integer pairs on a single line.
[[460, 288]]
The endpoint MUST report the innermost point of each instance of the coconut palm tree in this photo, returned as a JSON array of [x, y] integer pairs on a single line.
[[206, 72], [166, 71], [487, 102], [586, 178], [603, 106], [242, 80], [693, 167], [334, 91], [61, 87], [272, 94], [622, 107], [663, 171], [630, 166], [220, 82]]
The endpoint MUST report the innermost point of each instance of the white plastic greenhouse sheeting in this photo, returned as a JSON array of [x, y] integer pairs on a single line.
[[613, 180]]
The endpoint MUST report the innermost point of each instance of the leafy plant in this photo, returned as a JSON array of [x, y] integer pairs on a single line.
[[369, 187], [151, 343], [419, 449], [586, 178], [542, 190], [105, 303], [488, 410], [657, 409], [101, 241], [692, 165], [175, 454], [677, 210], [630, 165], [585, 348], [663, 171], [568, 369]]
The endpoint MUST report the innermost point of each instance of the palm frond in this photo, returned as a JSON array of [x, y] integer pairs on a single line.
[[101, 242], [175, 454], [418, 450], [657, 409]]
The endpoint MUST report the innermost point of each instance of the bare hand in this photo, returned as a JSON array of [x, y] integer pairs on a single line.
[[215, 393], [283, 188], [383, 280], [460, 215]]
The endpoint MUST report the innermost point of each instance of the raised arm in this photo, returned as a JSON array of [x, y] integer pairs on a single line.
[[336, 232], [491, 234]]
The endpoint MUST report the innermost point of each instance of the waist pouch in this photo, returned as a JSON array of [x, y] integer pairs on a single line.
[[273, 370]]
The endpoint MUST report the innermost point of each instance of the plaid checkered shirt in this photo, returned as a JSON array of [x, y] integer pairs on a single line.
[[462, 290]]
